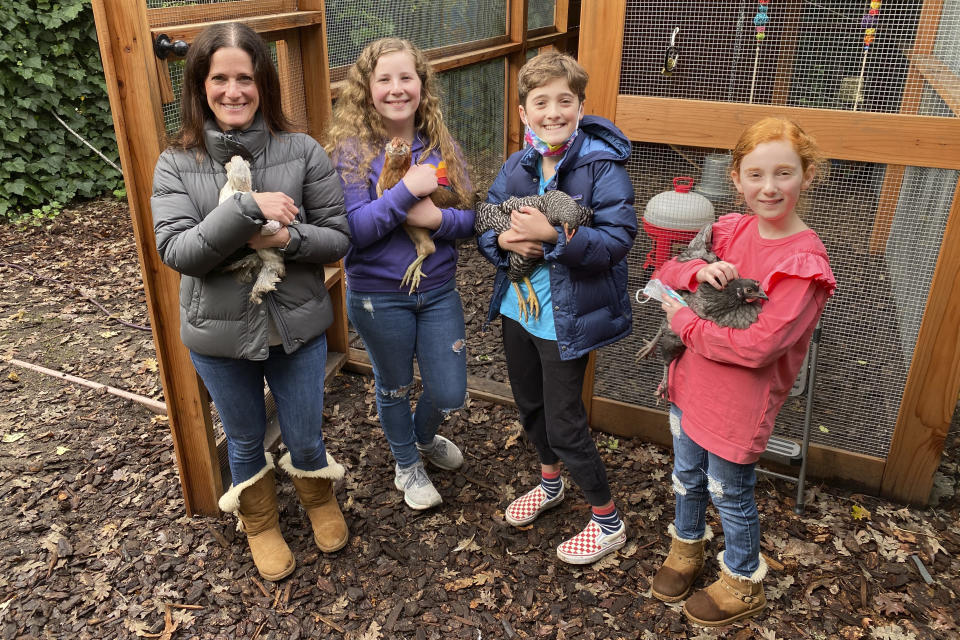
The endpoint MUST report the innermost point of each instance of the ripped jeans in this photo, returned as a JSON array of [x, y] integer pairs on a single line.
[[697, 474], [394, 328]]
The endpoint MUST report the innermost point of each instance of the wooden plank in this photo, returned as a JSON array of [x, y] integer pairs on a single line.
[[940, 78], [930, 395], [650, 425], [163, 80], [923, 141], [132, 88], [466, 58], [290, 77], [207, 12], [478, 388], [599, 50], [517, 30], [316, 71], [264, 25]]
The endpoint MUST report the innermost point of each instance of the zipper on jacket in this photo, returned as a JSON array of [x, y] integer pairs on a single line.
[[281, 327]]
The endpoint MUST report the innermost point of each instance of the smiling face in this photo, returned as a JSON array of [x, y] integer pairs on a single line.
[[771, 178], [553, 111], [395, 91], [231, 91]]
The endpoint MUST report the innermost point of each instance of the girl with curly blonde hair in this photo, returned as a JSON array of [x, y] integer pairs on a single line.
[[390, 93]]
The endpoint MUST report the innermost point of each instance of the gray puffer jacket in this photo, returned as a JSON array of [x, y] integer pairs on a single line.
[[198, 236]]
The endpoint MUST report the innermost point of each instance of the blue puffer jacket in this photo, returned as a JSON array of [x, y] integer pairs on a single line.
[[588, 275]]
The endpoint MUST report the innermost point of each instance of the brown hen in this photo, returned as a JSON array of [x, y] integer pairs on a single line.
[[397, 159]]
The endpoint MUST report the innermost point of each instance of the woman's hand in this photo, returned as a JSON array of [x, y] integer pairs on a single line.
[[670, 307], [276, 206], [531, 224], [718, 274], [510, 240], [425, 214], [421, 180], [278, 239]]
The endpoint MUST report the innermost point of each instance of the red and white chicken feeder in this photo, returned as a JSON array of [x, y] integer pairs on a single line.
[[673, 218]]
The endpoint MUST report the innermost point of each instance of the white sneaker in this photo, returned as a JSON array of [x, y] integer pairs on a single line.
[[418, 492], [443, 454]]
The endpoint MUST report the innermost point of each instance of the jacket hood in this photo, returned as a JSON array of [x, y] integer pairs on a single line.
[[616, 146], [247, 143], [604, 141]]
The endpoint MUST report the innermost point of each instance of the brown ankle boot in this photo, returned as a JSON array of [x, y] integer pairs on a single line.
[[315, 489], [255, 503], [729, 599], [682, 566]]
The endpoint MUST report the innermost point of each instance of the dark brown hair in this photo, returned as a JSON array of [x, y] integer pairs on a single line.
[[194, 110]]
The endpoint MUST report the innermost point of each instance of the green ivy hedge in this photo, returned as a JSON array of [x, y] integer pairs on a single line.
[[50, 64]]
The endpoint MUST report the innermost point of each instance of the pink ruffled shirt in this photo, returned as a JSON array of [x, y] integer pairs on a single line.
[[731, 383]]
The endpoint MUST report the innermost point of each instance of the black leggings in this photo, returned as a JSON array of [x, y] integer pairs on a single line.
[[548, 391]]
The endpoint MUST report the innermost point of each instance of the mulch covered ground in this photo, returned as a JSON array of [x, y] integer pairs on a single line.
[[95, 542]]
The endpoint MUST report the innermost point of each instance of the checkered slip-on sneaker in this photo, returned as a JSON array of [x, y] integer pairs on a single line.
[[527, 507], [591, 544]]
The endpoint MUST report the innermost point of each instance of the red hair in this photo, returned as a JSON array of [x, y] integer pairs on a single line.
[[773, 129]]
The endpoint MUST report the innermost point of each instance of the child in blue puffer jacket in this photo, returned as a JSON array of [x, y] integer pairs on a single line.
[[581, 286]]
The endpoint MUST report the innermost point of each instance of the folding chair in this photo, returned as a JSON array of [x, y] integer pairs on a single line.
[[788, 452]]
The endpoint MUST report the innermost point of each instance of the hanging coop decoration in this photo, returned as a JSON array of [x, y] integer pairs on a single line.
[[673, 218]]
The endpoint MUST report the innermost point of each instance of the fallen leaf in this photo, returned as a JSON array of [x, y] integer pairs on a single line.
[[823, 429], [62, 450], [107, 334], [859, 513], [12, 437], [13, 377]]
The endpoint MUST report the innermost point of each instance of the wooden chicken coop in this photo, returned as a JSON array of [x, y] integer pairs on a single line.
[[878, 85], [889, 213]]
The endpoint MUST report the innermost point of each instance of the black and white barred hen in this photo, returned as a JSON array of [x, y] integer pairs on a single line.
[[736, 306], [559, 209]]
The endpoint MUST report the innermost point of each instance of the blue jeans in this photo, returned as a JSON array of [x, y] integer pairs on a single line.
[[394, 328], [697, 474], [296, 381]]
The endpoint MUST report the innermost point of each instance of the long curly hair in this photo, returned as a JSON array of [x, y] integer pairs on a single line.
[[357, 134], [194, 110]]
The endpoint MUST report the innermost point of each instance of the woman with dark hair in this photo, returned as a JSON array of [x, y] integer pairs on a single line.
[[231, 107]]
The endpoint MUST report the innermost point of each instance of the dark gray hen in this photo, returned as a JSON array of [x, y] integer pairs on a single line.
[[736, 306], [700, 247], [559, 209]]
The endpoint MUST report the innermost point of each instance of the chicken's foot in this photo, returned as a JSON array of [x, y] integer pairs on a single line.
[[413, 274], [649, 345]]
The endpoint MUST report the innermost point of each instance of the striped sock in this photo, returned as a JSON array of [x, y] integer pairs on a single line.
[[551, 483], [608, 519]]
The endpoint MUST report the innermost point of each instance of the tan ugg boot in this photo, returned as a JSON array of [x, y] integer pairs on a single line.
[[681, 567], [317, 496], [729, 599], [254, 502]]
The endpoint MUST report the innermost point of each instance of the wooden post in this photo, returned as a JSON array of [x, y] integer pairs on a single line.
[[601, 41], [316, 71], [517, 30], [924, 40], [129, 67], [930, 395]]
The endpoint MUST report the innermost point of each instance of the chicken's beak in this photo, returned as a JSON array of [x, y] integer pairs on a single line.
[[762, 296]]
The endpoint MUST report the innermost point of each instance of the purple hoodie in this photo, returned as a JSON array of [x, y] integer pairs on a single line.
[[380, 249]]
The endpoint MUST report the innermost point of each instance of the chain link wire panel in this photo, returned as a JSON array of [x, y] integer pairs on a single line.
[[812, 53], [429, 24], [540, 13], [870, 325]]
